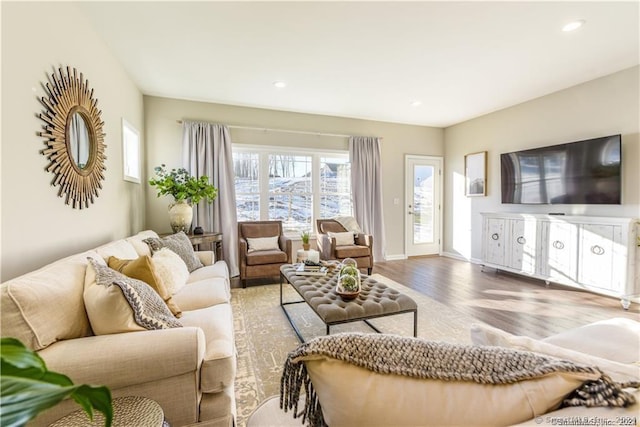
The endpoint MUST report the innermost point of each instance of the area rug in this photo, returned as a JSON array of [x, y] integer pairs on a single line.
[[264, 337]]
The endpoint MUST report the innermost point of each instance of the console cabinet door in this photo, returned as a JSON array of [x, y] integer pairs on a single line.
[[494, 241], [523, 245], [561, 247], [600, 256]]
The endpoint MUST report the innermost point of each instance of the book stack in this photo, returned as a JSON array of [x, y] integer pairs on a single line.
[[307, 269]]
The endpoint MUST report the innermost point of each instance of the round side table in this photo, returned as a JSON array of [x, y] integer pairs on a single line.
[[302, 255], [128, 411]]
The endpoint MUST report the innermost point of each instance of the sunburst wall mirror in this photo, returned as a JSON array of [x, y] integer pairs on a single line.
[[74, 138]]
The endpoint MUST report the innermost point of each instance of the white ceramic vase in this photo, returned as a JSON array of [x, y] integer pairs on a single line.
[[180, 216]]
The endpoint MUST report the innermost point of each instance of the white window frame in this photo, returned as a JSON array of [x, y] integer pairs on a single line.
[[263, 174], [131, 158]]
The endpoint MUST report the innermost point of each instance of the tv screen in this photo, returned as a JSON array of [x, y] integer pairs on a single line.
[[583, 172]]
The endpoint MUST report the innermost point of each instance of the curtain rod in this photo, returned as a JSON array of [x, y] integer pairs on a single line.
[[301, 132]]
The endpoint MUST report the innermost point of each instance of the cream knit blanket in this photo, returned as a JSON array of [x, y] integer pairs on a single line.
[[418, 358]]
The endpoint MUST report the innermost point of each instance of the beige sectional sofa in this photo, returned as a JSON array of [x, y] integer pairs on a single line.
[[188, 370]]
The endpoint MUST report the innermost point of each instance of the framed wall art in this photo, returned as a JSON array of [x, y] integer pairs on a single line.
[[475, 174]]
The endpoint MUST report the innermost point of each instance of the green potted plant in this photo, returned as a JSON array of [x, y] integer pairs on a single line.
[[28, 388], [305, 240], [186, 190]]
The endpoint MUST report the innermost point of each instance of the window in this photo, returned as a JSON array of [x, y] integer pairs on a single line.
[[130, 152], [273, 183], [245, 167]]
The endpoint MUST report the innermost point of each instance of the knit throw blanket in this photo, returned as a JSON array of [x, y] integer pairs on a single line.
[[418, 358]]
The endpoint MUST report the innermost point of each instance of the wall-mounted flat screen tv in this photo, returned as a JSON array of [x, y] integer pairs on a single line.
[[582, 172]]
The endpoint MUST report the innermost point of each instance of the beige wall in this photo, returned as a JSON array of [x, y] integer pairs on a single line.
[[164, 137], [606, 106], [37, 227]]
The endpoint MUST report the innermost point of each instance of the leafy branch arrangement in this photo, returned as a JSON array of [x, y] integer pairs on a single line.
[[183, 186], [28, 388]]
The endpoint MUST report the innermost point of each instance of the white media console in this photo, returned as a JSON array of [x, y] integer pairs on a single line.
[[598, 254]]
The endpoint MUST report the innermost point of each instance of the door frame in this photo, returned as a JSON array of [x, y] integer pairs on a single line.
[[440, 161]]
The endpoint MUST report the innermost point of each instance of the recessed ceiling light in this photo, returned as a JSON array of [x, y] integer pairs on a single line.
[[279, 84], [416, 103], [571, 26]]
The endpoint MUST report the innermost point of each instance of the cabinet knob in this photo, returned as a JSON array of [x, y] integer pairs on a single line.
[[521, 240], [495, 236], [558, 244], [597, 250]]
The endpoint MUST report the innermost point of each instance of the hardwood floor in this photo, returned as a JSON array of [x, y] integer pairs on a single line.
[[513, 303]]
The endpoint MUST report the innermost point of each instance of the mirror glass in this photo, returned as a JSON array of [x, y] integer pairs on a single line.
[[79, 142]]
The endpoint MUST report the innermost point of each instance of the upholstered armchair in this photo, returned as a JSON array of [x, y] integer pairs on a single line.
[[336, 242], [262, 249]]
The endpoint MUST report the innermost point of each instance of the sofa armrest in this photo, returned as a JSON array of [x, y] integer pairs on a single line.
[[206, 257], [125, 359]]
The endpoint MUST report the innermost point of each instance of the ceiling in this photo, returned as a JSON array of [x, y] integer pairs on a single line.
[[367, 60]]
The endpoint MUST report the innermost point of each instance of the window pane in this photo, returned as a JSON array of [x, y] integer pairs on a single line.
[[289, 174], [246, 169], [335, 187], [293, 210], [248, 207]]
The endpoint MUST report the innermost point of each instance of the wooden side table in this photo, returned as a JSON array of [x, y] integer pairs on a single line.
[[128, 411], [213, 239]]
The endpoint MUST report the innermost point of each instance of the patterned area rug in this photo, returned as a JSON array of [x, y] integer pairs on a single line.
[[264, 337]]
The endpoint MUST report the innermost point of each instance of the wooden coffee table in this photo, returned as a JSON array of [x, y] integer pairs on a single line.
[[319, 292]]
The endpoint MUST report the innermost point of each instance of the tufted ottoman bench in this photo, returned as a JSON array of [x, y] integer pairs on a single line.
[[319, 292]]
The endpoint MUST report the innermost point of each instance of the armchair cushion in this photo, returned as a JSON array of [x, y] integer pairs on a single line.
[[266, 257], [262, 243], [352, 251]]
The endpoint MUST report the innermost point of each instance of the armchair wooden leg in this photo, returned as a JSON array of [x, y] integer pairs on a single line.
[[244, 283], [369, 271]]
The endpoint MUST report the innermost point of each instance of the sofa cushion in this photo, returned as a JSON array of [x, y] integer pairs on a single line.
[[137, 241], [219, 366], [203, 293], [351, 395], [178, 243], [487, 335], [262, 243], [118, 248], [57, 286], [343, 238], [143, 268], [171, 269], [116, 303], [623, 335], [266, 257], [219, 269]]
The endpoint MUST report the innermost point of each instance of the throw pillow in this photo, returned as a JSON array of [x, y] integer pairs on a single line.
[[262, 243], [351, 395], [488, 335], [342, 239], [178, 243], [116, 303], [171, 269], [143, 268]]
